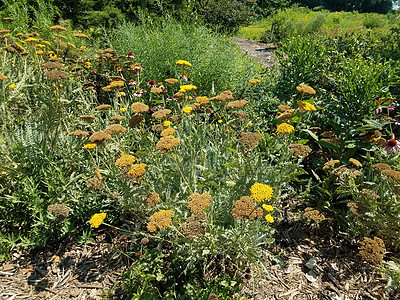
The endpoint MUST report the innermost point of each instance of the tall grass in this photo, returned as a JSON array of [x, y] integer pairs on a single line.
[[216, 61]]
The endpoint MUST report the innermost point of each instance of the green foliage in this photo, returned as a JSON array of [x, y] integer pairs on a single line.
[[216, 62]]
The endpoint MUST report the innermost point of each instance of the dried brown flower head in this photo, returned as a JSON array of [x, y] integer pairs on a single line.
[[369, 194], [60, 210], [50, 65], [372, 250], [287, 115], [193, 226], [250, 139], [168, 131], [96, 182], [283, 108], [161, 114], [175, 118], [354, 163], [115, 128], [103, 106], [313, 214], [314, 129], [78, 133], [327, 134], [244, 208], [3, 77], [171, 81], [116, 78], [305, 89], [99, 137], [58, 28], [224, 96], [139, 107], [195, 106], [81, 35], [179, 94], [330, 164], [334, 141], [87, 118], [10, 50], [157, 128], [380, 142], [157, 91], [166, 143], [381, 167], [125, 160], [144, 241], [153, 199], [370, 136], [56, 75], [60, 36], [136, 120], [300, 150], [137, 171], [356, 209], [117, 118], [237, 104], [392, 174], [344, 172], [197, 202], [241, 114]]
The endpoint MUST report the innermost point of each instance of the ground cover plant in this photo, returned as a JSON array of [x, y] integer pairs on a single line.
[[188, 152]]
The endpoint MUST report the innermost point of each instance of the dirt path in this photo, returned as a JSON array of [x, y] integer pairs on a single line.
[[257, 50]]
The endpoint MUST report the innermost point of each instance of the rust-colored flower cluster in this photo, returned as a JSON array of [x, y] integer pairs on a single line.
[[160, 220], [244, 208], [372, 250]]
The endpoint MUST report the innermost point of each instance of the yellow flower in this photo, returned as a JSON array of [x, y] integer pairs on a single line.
[[254, 81], [159, 220], [269, 218], [187, 87], [11, 86], [305, 89], [250, 124], [267, 207], [284, 128], [187, 109], [123, 109], [261, 192], [90, 146], [40, 46], [183, 63], [220, 121], [72, 45], [97, 220], [46, 43], [305, 106], [40, 52], [82, 48], [122, 93], [166, 123]]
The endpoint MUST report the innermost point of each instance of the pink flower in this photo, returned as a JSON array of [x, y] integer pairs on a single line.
[[391, 107], [130, 55], [392, 145], [378, 110]]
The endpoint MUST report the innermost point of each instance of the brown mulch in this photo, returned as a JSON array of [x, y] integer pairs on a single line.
[[66, 271]]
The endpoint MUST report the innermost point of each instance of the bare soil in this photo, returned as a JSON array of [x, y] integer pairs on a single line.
[[262, 52]]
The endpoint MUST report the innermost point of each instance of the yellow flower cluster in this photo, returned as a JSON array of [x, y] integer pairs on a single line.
[[137, 171], [267, 208], [284, 128], [97, 220], [187, 87], [269, 218], [305, 106], [159, 220], [183, 63], [125, 160], [261, 192], [187, 109], [254, 81], [305, 89]]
